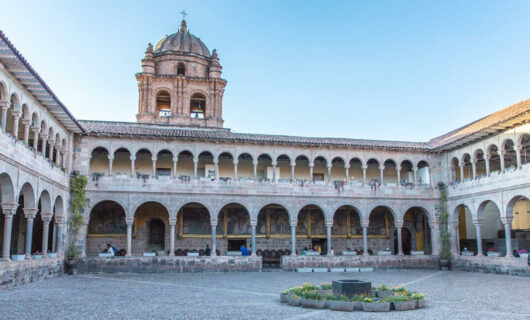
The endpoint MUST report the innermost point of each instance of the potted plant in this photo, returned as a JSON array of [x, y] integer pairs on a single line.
[[445, 244], [418, 299], [339, 303], [325, 288], [373, 305], [401, 302], [313, 300], [284, 295], [383, 291]]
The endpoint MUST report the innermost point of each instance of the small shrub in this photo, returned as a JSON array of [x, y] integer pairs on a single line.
[[369, 300], [417, 296], [310, 287], [312, 295], [286, 292], [383, 287], [396, 298], [326, 286], [359, 298], [342, 298]]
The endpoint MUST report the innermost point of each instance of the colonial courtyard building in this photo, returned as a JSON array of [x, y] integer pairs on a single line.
[[177, 181]]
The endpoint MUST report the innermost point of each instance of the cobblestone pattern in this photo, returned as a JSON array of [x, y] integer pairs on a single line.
[[501, 265], [377, 262], [15, 273], [168, 264]]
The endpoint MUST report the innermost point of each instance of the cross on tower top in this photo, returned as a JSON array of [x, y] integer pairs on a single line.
[[184, 14]]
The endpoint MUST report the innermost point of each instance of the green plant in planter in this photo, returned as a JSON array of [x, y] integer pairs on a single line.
[[445, 242], [312, 295], [396, 298], [383, 287], [399, 289], [310, 287], [369, 300], [286, 292], [342, 298], [326, 286], [359, 298], [417, 296]]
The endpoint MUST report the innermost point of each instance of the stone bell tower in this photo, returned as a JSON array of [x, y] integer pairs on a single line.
[[180, 83]]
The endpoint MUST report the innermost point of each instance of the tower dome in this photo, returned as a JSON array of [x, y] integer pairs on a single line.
[[182, 42]]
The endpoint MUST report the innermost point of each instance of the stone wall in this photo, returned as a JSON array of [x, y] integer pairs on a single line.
[[13, 273], [500, 265], [377, 262], [169, 264]]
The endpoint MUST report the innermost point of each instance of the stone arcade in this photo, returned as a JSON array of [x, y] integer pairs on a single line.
[[177, 181]]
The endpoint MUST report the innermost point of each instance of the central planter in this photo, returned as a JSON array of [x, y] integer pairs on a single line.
[[293, 301], [376, 306], [340, 305], [405, 305], [313, 304], [351, 287]]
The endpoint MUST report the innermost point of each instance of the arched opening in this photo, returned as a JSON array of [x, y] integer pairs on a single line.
[[163, 104], [181, 69], [58, 211], [380, 227], [418, 237], [390, 173], [519, 208], [467, 234], [106, 225], [524, 142], [338, 172], [423, 174], [185, 166], [245, 167], [18, 231], [495, 160], [99, 162], [283, 167], [355, 172], [7, 195], [320, 170], [492, 229], [43, 133], [206, 167], [510, 157], [143, 165], [57, 146], [233, 223], [226, 167], [480, 164], [468, 167], [49, 144], [347, 231], [164, 162], [34, 131], [151, 222], [455, 170], [193, 230], [273, 234], [198, 106], [121, 165], [14, 109], [264, 168], [311, 230], [301, 170], [372, 172], [24, 120]]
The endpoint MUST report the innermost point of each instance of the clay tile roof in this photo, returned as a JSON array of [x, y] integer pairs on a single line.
[[103, 128]]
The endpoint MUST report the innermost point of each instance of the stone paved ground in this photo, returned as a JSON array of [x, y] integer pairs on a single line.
[[449, 295]]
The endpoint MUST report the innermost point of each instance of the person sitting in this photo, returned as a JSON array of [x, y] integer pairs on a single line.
[[516, 254], [208, 251], [111, 249], [244, 251]]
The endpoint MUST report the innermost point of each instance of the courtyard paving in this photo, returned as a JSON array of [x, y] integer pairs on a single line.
[[449, 295]]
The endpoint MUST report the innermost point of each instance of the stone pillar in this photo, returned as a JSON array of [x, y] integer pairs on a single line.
[[415, 172], [129, 221], [172, 223], [381, 175], [26, 123], [30, 215], [16, 117], [111, 160], [9, 210], [518, 156], [454, 237], [44, 139], [195, 162], [63, 158], [461, 165], [274, 175], [487, 158], [51, 144], [153, 173], [46, 218], [478, 225], [59, 220], [133, 173], [398, 172], [365, 241], [35, 137], [434, 246], [253, 224], [364, 174], [329, 173], [507, 221], [399, 228], [501, 157], [311, 166], [174, 172], [293, 237], [216, 168], [236, 162], [347, 173], [214, 240], [474, 168], [85, 233], [58, 155], [329, 224], [3, 117], [293, 166], [255, 168]]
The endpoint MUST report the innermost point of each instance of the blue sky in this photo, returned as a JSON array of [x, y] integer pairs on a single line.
[[360, 69]]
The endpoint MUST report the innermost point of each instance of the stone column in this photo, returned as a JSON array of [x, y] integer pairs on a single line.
[[51, 144], [133, 159], [487, 158], [172, 223], [59, 220], [381, 174], [398, 172], [364, 174], [347, 173], [174, 172], [30, 215], [26, 123], [216, 168], [129, 221], [311, 166], [399, 228], [236, 162], [329, 173], [501, 157], [454, 236], [293, 166], [329, 224], [63, 158], [3, 116], [293, 237], [253, 224], [478, 225], [461, 165], [58, 155], [507, 221], [365, 239], [35, 137], [85, 233], [274, 175], [16, 117], [44, 139], [9, 210], [255, 168], [195, 162], [214, 240], [434, 246], [111, 160], [153, 173], [415, 172], [46, 218], [518, 156], [474, 168]]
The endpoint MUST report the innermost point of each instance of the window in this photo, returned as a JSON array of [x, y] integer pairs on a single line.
[[163, 104], [197, 106], [181, 69]]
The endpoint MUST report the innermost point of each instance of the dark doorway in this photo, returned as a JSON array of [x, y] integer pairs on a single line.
[[322, 243], [157, 231], [235, 244], [405, 237]]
